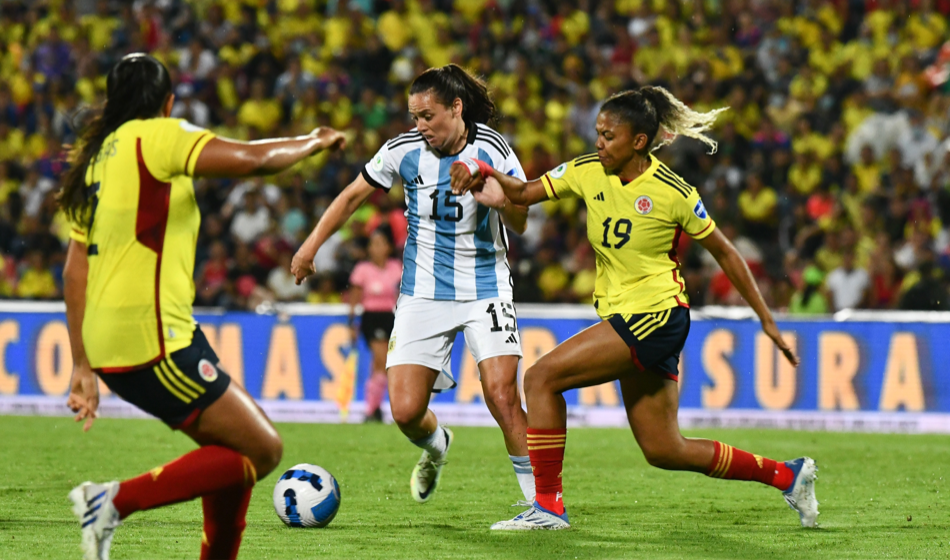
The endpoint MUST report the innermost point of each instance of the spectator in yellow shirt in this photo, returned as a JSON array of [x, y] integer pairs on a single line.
[[805, 174], [100, 26], [260, 112], [867, 171], [758, 206], [393, 26], [37, 282], [926, 28]]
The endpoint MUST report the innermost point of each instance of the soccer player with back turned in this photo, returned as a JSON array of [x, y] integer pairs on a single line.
[[129, 293], [637, 208]]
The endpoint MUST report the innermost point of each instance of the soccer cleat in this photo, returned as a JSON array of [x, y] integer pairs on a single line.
[[534, 519], [800, 496], [98, 518], [426, 474]]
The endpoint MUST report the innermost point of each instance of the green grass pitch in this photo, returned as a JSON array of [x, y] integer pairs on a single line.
[[882, 496]]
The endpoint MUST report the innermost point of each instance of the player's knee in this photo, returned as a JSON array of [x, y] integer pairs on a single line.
[[501, 395], [538, 379], [268, 455], [407, 414]]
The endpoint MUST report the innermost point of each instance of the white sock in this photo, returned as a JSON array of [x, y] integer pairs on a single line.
[[525, 475], [434, 443]]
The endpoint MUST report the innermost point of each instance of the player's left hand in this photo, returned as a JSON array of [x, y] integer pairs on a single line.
[[84, 395], [463, 180], [490, 194], [771, 329]]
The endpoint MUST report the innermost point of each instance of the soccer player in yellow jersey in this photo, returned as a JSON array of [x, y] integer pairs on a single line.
[[129, 294], [637, 209]]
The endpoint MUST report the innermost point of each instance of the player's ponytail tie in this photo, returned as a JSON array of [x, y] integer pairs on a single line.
[[476, 166]]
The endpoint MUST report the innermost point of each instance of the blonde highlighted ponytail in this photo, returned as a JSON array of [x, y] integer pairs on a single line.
[[655, 112]]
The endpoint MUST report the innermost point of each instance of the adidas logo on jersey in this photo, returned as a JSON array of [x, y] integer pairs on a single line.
[[512, 339], [600, 196], [416, 181]]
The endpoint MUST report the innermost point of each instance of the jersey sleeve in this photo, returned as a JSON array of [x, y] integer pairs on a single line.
[[562, 181], [382, 170], [174, 147], [512, 166], [691, 214], [78, 232]]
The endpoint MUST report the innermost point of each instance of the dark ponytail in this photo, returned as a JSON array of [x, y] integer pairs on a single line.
[[452, 82], [649, 108], [136, 88]]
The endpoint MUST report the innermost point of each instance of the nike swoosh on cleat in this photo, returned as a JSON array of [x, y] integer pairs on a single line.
[[425, 494]]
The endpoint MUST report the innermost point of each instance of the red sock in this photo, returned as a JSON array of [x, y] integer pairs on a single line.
[[224, 514], [203, 471], [736, 464], [546, 450]]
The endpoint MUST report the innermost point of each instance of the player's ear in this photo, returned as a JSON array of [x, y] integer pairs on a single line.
[[640, 141], [169, 103], [457, 107]]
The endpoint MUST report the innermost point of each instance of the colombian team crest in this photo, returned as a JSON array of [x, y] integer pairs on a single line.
[[207, 371], [644, 205]]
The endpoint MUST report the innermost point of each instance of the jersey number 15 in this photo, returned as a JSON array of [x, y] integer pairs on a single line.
[[449, 202]]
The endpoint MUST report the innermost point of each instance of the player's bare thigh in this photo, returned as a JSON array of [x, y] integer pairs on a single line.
[[593, 356], [236, 422]]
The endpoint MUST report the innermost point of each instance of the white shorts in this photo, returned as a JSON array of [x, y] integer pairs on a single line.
[[425, 330]]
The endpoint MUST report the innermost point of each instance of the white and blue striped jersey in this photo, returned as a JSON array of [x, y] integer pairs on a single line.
[[456, 249]]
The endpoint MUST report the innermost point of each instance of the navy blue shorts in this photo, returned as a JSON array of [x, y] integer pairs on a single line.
[[176, 389], [655, 339]]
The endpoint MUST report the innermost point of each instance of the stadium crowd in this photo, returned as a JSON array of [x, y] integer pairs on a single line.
[[832, 175]]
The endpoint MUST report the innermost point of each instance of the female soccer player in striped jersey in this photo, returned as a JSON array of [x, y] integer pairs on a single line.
[[637, 208], [129, 292], [455, 269]]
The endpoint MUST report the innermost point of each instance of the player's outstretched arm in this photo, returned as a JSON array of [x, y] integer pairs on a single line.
[[332, 220], [489, 193], [739, 274], [471, 174], [222, 157], [83, 387]]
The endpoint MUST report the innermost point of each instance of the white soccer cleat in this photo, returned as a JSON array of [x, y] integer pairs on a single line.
[[536, 518], [98, 518], [801, 495], [426, 474]]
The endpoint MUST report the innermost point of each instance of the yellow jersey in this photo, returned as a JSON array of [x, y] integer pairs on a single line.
[[634, 229], [140, 237]]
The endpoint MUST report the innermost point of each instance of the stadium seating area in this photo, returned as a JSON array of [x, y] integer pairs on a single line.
[[831, 178]]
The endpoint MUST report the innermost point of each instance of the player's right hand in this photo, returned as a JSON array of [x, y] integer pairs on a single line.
[[84, 395], [463, 180], [330, 139], [301, 266]]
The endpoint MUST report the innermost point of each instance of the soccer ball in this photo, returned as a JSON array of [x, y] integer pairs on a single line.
[[306, 496]]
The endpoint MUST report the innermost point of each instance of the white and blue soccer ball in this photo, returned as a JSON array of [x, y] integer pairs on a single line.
[[306, 496]]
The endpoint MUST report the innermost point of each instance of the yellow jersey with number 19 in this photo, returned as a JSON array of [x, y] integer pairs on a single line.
[[140, 237], [634, 229]]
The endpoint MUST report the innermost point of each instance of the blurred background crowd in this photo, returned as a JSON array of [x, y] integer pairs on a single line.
[[831, 178]]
